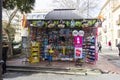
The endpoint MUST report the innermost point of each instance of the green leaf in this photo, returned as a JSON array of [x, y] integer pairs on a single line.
[[67, 23], [34, 23], [56, 22], [46, 24], [90, 23], [78, 23]]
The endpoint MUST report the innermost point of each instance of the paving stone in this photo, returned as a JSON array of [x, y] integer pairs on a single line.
[[48, 76]]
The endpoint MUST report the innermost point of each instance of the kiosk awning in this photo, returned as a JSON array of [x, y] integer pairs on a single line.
[[64, 14]]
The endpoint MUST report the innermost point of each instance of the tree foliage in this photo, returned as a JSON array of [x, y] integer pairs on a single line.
[[22, 5], [12, 7]]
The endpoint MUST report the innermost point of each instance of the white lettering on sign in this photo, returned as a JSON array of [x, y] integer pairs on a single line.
[[78, 40], [36, 16]]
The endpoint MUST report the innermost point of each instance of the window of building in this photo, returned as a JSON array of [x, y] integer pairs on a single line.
[[118, 21], [118, 33]]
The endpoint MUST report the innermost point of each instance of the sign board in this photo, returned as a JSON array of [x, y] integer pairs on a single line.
[[78, 42], [36, 16], [78, 53]]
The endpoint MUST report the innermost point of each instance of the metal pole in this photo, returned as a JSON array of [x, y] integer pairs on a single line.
[[0, 39]]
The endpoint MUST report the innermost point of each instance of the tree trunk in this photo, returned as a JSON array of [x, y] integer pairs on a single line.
[[10, 45], [8, 33]]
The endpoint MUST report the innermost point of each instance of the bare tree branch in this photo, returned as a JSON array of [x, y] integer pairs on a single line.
[[83, 6], [12, 16], [7, 13]]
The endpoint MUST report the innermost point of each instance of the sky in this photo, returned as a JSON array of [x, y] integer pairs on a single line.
[[43, 4], [48, 4]]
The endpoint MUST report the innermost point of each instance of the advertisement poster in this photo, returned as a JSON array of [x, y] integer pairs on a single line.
[[78, 53], [78, 41]]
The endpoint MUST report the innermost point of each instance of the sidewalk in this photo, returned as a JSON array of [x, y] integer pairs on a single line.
[[41, 76], [102, 64]]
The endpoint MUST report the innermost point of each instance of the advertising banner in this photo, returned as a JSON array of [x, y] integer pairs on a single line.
[[78, 53], [78, 42]]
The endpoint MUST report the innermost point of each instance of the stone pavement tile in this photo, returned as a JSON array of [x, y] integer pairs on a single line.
[[104, 65], [42, 76], [102, 77]]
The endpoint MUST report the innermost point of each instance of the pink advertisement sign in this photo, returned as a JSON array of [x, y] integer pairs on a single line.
[[78, 46], [78, 41]]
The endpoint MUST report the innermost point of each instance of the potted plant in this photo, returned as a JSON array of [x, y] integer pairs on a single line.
[[40, 23], [78, 24], [72, 24], [85, 23], [91, 23], [51, 24], [61, 24], [67, 23], [34, 23]]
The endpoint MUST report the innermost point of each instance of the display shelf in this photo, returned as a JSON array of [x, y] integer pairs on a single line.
[[35, 52], [90, 49]]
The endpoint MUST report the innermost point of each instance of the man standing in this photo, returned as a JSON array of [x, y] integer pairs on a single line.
[[118, 45], [110, 45], [99, 47], [4, 56]]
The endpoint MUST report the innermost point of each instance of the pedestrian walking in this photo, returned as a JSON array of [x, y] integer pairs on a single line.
[[99, 47], [4, 56], [118, 45], [110, 45]]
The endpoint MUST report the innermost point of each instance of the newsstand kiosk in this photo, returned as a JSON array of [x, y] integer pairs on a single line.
[[67, 39]]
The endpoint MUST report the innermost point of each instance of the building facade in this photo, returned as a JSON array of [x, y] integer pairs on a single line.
[[116, 21], [110, 26]]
